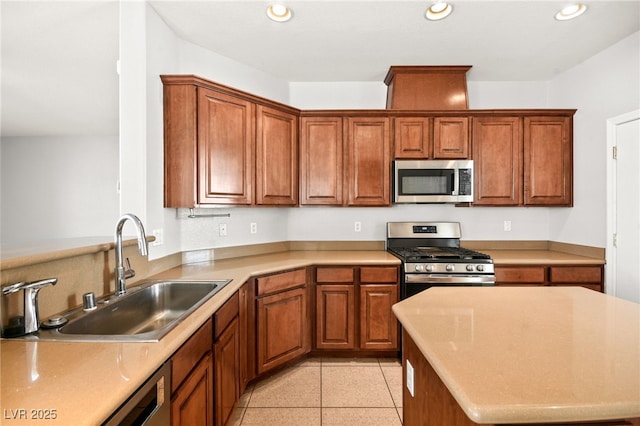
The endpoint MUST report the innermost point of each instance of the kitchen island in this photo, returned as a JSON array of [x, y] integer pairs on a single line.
[[503, 355]]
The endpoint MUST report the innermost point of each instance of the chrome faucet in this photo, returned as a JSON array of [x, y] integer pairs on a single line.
[[120, 273], [31, 322]]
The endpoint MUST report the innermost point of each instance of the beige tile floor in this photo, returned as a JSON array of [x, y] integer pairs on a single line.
[[326, 391]]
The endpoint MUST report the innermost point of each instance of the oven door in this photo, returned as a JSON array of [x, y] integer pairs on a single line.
[[415, 283]]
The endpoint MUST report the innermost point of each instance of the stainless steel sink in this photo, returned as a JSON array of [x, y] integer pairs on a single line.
[[145, 313]]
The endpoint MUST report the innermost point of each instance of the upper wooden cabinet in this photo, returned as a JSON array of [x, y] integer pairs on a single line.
[[523, 160], [368, 160], [345, 160], [427, 137], [225, 149], [497, 154], [450, 137], [276, 157], [321, 161], [412, 137], [548, 161], [223, 146]]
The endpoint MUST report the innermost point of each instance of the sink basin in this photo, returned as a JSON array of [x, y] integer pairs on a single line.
[[145, 313]]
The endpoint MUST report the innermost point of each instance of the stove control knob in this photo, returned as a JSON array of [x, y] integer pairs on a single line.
[[450, 267], [470, 268], [419, 267], [429, 268], [480, 268]]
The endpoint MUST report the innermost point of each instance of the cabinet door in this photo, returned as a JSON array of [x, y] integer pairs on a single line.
[[368, 161], [521, 275], [412, 137], [225, 149], [335, 316], [586, 276], [227, 369], [548, 161], [378, 325], [497, 155], [192, 403], [321, 167], [276, 157], [450, 137], [244, 325], [283, 328]]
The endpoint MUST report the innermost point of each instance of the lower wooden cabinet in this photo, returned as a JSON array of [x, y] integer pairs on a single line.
[[378, 325], [226, 351], [191, 405], [586, 276], [589, 276], [192, 380], [353, 308], [283, 327]]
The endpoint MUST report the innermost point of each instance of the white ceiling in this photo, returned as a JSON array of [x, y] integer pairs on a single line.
[[58, 58]]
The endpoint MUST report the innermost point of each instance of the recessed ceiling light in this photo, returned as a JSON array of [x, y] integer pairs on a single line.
[[438, 10], [279, 13], [571, 11]]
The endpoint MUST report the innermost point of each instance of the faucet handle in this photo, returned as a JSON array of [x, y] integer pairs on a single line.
[[31, 290], [128, 272], [13, 287], [41, 283], [23, 285]]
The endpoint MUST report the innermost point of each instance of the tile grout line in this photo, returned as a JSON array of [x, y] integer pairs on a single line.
[[395, 404], [321, 406]]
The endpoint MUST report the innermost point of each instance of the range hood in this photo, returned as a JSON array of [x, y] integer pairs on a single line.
[[427, 87]]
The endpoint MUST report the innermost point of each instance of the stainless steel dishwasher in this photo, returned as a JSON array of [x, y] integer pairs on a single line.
[[149, 405]]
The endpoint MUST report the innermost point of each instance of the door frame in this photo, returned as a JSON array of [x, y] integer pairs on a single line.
[[611, 253]]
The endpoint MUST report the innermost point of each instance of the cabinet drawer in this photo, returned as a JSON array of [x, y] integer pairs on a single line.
[[528, 274], [575, 274], [334, 275], [379, 274], [279, 282], [187, 357], [226, 314]]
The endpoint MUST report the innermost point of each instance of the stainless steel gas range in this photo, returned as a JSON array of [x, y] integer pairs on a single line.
[[431, 256]]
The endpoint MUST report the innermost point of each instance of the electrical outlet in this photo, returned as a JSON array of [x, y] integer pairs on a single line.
[[410, 384], [222, 229], [357, 226], [159, 234], [254, 228], [507, 225]]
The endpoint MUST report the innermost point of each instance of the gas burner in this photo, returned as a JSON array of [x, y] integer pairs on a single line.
[[431, 254]]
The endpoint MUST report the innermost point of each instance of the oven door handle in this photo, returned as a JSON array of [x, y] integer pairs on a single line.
[[436, 279]]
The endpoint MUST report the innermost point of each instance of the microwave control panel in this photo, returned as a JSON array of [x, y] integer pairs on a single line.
[[466, 182]]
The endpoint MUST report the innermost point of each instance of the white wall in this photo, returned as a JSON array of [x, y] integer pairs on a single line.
[[604, 86], [58, 187]]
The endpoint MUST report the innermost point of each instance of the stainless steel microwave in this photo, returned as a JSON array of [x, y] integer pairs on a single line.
[[433, 181]]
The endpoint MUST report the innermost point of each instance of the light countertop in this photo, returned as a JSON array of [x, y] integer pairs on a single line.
[[85, 382], [539, 257], [539, 354]]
